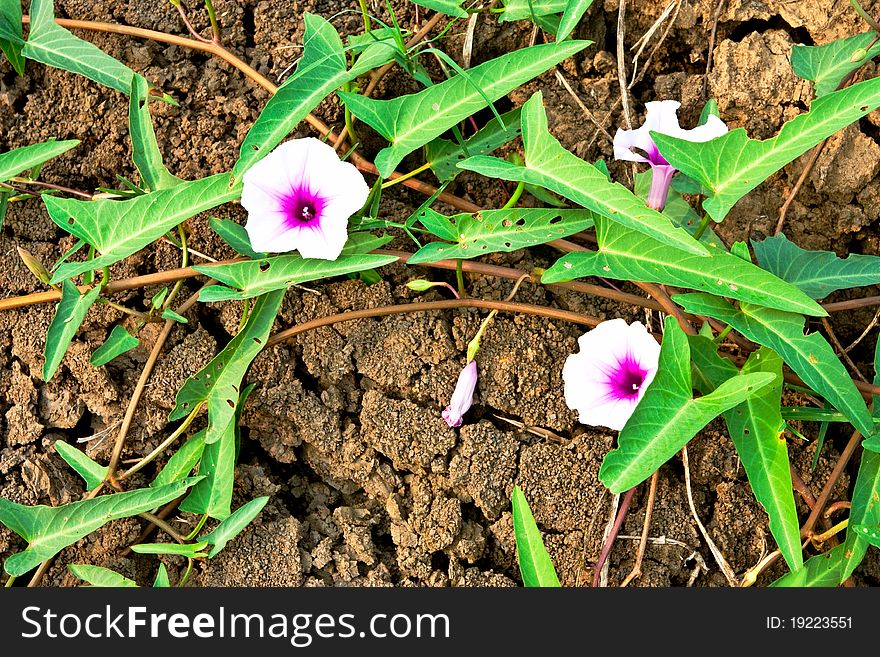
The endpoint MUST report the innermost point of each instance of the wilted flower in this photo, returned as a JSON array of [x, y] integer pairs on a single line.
[[637, 145], [300, 196], [462, 396], [609, 375]]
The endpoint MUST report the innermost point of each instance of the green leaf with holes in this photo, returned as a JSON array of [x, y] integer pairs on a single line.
[[823, 570], [828, 64], [182, 461], [117, 343], [118, 229], [443, 155], [870, 533], [816, 273], [145, 149], [219, 382], [18, 160], [626, 255], [51, 44], [810, 356], [232, 526], [535, 565], [668, 416], [255, 277], [69, 315], [491, 231], [754, 427], [320, 72], [574, 11], [92, 473], [103, 577], [732, 165], [411, 121], [553, 167], [48, 530]]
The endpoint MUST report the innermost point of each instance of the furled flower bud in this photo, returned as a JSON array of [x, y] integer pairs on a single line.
[[462, 396]]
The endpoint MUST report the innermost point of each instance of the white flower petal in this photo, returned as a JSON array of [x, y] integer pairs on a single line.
[[265, 227], [323, 240]]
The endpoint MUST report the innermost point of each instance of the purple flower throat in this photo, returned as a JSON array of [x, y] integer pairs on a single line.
[[627, 379], [302, 208]]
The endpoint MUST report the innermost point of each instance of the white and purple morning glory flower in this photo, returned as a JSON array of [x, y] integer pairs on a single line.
[[462, 396], [638, 146], [608, 377], [299, 197]]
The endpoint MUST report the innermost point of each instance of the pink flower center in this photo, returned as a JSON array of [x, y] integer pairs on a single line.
[[626, 381], [303, 208]]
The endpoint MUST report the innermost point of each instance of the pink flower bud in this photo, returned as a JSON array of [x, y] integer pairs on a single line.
[[462, 396]]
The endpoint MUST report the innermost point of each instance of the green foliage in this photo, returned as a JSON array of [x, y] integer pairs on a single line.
[[49, 43], [11, 39], [535, 565], [145, 149], [755, 429], [219, 382], [320, 71], [448, 7], [161, 581], [444, 155], [552, 167], [190, 550], [668, 416], [182, 461], [827, 65], [48, 530], [21, 159], [173, 316], [117, 343], [98, 576], [823, 570], [235, 236], [93, 473], [810, 356], [213, 494], [68, 317], [490, 231], [256, 277], [816, 273], [733, 165], [870, 534], [411, 121], [118, 229], [627, 255], [517, 10], [231, 526], [574, 11]]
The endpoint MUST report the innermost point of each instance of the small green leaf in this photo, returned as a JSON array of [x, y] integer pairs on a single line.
[[491, 231], [118, 342], [93, 473], [320, 71], [230, 528], [733, 165], [816, 273], [257, 277], [870, 534], [161, 581], [823, 570], [14, 162], [170, 314], [535, 565], [219, 382], [118, 229], [51, 44], [555, 168], [69, 315], [754, 426], [191, 550], [145, 149], [182, 461], [810, 356], [828, 64], [11, 39], [213, 494], [627, 255], [574, 11], [48, 530], [98, 576], [444, 155], [668, 416], [411, 121], [448, 7], [517, 10], [235, 236]]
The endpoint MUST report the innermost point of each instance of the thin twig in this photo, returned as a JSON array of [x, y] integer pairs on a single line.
[[864, 333], [621, 64], [808, 169], [841, 350], [637, 567], [709, 57], [601, 563], [561, 78], [839, 467]]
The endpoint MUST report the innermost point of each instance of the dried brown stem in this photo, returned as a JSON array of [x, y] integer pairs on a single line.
[[643, 543], [822, 500], [615, 530]]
